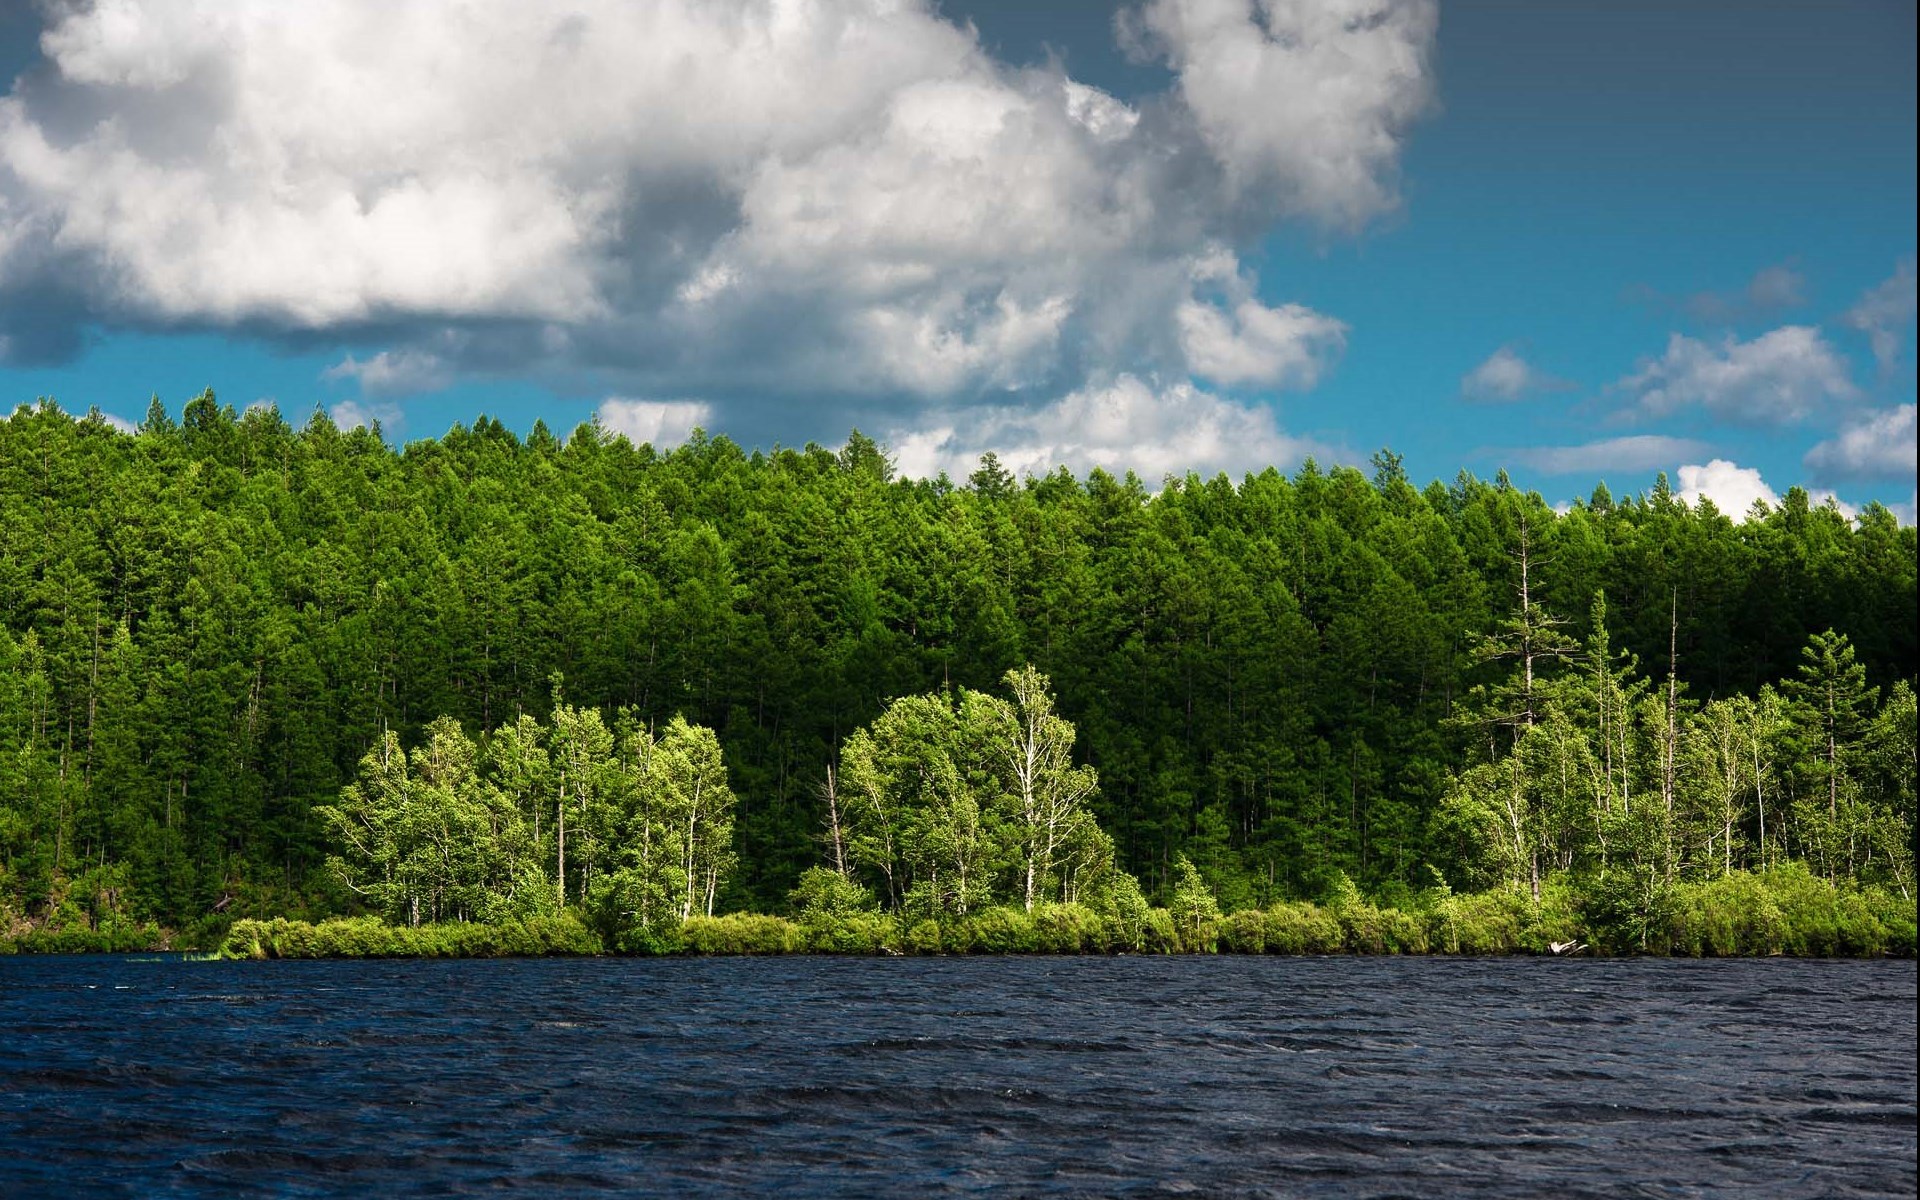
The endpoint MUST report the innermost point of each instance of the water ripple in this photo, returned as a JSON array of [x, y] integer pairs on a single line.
[[1014, 1077]]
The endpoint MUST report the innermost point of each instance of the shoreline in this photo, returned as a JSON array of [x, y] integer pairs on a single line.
[[1825, 923]]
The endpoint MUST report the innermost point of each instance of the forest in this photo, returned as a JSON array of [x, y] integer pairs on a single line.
[[599, 695]]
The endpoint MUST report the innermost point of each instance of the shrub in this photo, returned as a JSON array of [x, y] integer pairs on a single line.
[[741, 933], [998, 930], [1123, 910], [924, 938], [1486, 923], [1068, 929], [1784, 910], [1896, 917], [1728, 916], [1157, 932], [368, 937], [1302, 928], [851, 933], [824, 894], [1244, 932], [1195, 912]]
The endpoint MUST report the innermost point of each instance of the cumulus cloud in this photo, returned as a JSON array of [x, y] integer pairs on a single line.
[[1126, 424], [728, 198], [1642, 452], [1781, 377], [1884, 313], [355, 414], [1732, 488], [1229, 337], [1735, 489], [658, 422], [1304, 103], [1880, 445], [1287, 346], [1505, 377], [394, 373]]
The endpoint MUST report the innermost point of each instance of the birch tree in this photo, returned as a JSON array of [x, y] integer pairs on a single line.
[[1032, 748]]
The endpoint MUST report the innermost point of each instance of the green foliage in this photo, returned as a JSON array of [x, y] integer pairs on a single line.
[[924, 937], [741, 933], [826, 895], [1301, 928], [956, 802], [1244, 932], [1124, 911], [369, 937], [208, 628], [1368, 929], [1487, 923], [1787, 910], [1069, 929], [1194, 911]]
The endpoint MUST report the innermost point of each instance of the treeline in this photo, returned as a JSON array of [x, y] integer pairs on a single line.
[[207, 627]]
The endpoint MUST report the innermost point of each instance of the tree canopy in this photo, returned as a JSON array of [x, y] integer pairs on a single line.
[[248, 669]]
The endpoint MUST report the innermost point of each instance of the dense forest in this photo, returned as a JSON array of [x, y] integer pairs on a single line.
[[220, 635]]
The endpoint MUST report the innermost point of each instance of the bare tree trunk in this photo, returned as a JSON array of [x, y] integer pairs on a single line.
[[1526, 618], [831, 794], [1670, 752]]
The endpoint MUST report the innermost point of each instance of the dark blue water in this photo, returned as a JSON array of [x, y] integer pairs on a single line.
[[1019, 1077]]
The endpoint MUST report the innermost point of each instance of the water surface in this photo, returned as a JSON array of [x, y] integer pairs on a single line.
[[994, 1076]]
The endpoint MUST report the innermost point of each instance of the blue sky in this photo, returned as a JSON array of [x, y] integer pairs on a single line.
[[1577, 241]]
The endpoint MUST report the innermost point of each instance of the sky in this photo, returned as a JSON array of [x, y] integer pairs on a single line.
[[1578, 242]]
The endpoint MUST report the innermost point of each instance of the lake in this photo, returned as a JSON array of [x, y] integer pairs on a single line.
[[991, 1076]]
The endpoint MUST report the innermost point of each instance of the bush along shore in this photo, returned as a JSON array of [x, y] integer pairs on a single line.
[[1785, 911]]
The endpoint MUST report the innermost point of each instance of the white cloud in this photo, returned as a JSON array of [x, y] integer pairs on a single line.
[[1641, 452], [656, 422], [352, 414], [1227, 336], [1304, 103], [1506, 377], [1106, 118], [119, 424], [394, 373], [1780, 377], [1289, 346], [1734, 489], [1128, 424], [1731, 487], [1879, 445], [1883, 314], [766, 197]]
